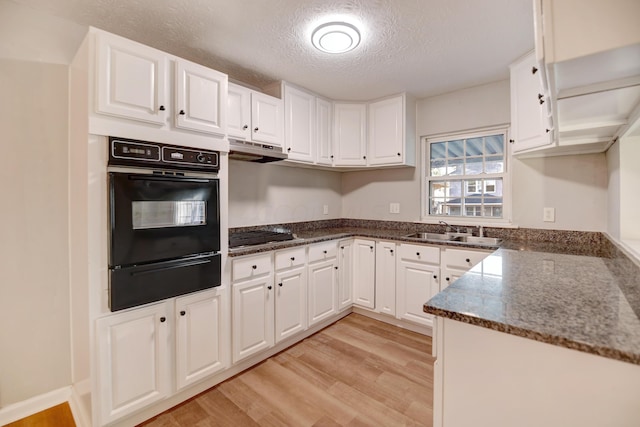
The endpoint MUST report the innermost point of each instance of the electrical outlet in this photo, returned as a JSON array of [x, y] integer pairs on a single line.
[[549, 215], [325, 209], [394, 208]]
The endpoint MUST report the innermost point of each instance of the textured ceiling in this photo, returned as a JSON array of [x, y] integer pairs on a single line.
[[424, 47]]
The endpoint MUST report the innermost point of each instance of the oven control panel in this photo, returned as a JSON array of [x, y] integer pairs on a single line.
[[129, 152]]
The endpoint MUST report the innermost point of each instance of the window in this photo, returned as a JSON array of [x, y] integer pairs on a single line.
[[465, 175]]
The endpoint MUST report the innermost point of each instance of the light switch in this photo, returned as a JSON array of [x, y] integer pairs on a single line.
[[394, 208], [325, 209]]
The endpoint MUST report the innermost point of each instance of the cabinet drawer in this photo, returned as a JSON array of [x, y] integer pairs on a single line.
[[322, 251], [462, 259], [290, 258], [251, 266], [417, 253]]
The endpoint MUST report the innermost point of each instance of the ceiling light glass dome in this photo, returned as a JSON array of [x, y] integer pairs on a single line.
[[335, 37]]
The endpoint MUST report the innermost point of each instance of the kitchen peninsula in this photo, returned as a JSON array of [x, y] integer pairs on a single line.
[[550, 338]]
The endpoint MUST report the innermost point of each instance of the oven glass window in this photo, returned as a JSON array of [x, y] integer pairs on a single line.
[[163, 214]]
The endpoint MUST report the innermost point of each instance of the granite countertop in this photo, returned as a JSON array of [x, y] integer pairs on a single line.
[[572, 289], [320, 235], [586, 303]]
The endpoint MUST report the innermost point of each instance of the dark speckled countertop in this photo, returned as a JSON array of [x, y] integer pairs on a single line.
[[572, 289], [585, 303]]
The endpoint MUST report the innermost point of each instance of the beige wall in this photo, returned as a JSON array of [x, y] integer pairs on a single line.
[[576, 186], [271, 193], [34, 252]]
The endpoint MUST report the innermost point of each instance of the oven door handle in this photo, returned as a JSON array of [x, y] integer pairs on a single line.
[[167, 178], [170, 267]]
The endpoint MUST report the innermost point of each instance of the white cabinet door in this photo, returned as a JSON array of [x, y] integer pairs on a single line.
[[266, 119], [239, 112], [530, 127], [364, 271], [133, 360], [324, 125], [456, 262], [386, 131], [448, 277], [201, 346], [291, 302], [345, 274], [300, 124], [201, 98], [323, 300], [416, 284], [350, 136], [252, 319], [131, 80], [386, 278]]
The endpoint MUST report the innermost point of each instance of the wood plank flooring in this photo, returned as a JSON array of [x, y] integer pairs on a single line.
[[356, 372], [57, 416]]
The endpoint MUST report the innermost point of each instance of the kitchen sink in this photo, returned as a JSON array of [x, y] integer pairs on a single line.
[[457, 237], [473, 240], [431, 236]]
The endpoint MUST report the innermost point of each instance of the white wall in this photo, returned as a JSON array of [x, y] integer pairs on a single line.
[[575, 185], [270, 193], [34, 253], [613, 191], [31, 35], [629, 185]]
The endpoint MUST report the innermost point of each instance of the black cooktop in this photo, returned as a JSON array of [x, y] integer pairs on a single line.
[[258, 237]]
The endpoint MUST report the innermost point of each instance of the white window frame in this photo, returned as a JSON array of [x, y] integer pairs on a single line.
[[506, 178]]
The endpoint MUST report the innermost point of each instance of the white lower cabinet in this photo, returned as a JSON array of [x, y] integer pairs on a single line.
[[456, 262], [386, 278], [323, 284], [417, 280], [268, 308], [133, 360], [290, 293], [253, 305], [201, 344], [345, 274], [135, 355], [364, 273]]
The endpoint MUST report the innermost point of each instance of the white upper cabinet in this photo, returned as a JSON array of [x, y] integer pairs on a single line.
[[239, 112], [131, 80], [391, 141], [530, 121], [201, 98], [381, 133], [350, 134], [300, 124], [591, 56], [254, 116], [266, 119], [324, 126]]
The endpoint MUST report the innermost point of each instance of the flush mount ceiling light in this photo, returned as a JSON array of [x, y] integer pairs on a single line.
[[335, 37]]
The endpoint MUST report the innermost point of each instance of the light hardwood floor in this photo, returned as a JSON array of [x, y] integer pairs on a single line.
[[356, 372]]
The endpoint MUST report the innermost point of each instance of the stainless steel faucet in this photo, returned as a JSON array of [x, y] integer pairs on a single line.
[[457, 229]]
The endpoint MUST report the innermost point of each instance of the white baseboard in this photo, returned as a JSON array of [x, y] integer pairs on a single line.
[[80, 403], [36, 404]]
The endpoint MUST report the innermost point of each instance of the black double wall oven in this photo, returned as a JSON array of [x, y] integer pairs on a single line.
[[164, 221]]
